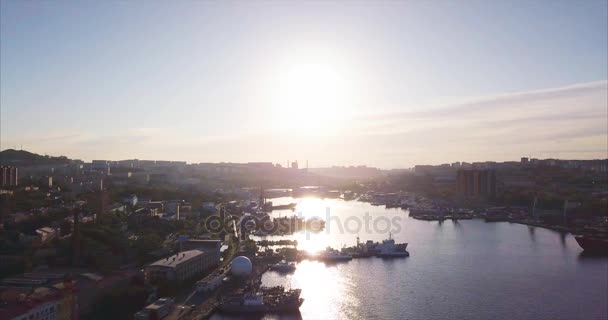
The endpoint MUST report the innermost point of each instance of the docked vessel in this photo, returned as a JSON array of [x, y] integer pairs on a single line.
[[594, 239], [498, 214], [593, 244], [394, 254], [272, 300], [388, 249], [283, 267], [348, 195], [289, 206], [333, 255]]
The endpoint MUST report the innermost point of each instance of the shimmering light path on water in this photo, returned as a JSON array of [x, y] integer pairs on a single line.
[[465, 270]]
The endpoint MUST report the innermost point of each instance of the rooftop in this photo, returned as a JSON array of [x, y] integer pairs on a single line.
[[176, 259]]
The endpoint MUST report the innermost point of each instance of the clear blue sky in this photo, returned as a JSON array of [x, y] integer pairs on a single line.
[[389, 84]]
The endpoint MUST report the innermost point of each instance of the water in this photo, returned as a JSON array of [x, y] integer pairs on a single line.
[[468, 269]]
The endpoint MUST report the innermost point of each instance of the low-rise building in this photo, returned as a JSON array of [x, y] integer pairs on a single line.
[[157, 310], [38, 296], [46, 234], [206, 245], [180, 266]]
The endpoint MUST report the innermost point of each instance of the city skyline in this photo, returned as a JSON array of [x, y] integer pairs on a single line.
[[304, 164], [389, 85]]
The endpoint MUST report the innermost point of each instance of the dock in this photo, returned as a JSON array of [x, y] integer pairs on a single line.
[[209, 305]]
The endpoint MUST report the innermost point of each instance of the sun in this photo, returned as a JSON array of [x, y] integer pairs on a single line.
[[310, 95]]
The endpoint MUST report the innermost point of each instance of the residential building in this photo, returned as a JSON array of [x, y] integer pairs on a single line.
[[9, 176], [476, 183]]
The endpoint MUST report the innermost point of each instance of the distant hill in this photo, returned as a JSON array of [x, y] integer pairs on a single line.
[[25, 158]]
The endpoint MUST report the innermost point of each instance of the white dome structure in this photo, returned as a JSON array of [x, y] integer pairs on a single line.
[[241, 267]]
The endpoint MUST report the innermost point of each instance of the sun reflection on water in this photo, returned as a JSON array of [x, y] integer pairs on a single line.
[[308, 208], [328, 211], [326, 290]]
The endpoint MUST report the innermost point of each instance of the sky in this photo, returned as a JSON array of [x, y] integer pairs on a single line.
[[385, 84]]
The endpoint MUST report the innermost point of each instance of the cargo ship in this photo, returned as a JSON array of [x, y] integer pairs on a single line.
[[270, 300]]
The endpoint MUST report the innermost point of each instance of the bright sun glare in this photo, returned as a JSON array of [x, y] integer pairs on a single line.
[[310, 96]]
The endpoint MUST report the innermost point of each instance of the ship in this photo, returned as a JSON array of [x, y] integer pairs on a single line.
[[283, 267], [289, 206], [496, 215], [594, 239], [271, 300], [388, 249], [361, 250], [593, 243], [333, 255], [348, 195]]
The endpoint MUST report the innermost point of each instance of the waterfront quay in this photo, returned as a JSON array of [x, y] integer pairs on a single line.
[[205, 304], [568, 218]]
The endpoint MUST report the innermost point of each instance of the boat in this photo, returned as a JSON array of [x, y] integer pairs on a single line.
[[594, 238], [348, 195], [358, 255], [393, 203], [332, 194], [593, 243], [333, 255], [290, 206], [388, 249], [394, 254], [283, 266], [271, 300], [496, 215], [361, 250]]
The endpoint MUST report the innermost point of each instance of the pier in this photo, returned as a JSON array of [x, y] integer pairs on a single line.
[[209, 302]]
